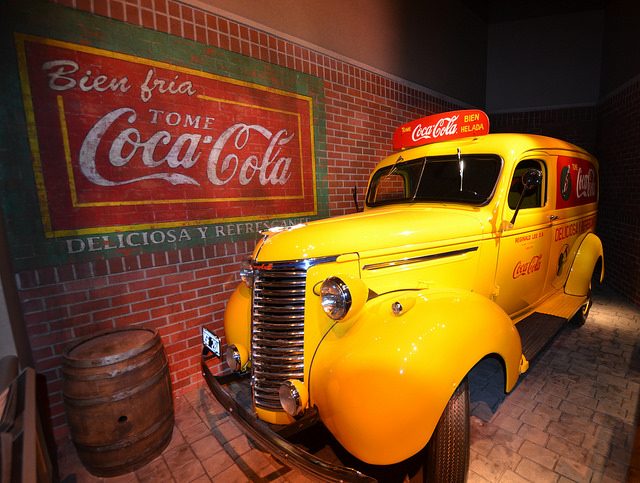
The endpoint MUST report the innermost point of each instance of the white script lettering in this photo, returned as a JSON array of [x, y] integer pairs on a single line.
[[586, 184], [446, 126], [270, 166], [60, 79], [164, 86]]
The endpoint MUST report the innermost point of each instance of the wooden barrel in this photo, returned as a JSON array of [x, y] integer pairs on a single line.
[[117, 396]]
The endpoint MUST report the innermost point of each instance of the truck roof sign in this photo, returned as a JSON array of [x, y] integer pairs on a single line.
[[441, 127]]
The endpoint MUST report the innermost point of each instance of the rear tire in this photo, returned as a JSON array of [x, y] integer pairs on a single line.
[[446, 457], [581, 315]]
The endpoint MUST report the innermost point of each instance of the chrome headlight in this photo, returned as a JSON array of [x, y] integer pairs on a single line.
[[293, 397], [236, 357], [335, 298], [246, 273]]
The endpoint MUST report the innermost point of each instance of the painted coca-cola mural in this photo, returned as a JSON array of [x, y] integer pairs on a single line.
[[130, 152]]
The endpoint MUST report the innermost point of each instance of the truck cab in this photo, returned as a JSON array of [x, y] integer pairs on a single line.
[[470, 245]]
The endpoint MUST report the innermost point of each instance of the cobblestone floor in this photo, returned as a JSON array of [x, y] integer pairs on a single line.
[[572, 417]]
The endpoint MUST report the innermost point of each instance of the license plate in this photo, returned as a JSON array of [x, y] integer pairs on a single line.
[[211, 341]]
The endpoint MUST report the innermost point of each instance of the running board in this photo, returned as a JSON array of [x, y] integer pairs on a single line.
[[536, 331]]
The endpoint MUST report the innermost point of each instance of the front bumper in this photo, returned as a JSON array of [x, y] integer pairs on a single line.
[[232, 392]]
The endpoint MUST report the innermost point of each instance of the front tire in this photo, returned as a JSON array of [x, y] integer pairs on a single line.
[[446, 457]]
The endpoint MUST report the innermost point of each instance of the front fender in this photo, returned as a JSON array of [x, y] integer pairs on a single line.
[[237, 317], [587, 256], [381, 382]]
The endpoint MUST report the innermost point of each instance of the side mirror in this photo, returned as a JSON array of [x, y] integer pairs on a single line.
[[531, 180]]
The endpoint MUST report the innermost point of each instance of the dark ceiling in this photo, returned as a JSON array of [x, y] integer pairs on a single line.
[[493, 11]]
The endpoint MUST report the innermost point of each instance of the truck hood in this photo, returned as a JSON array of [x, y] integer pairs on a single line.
[[377, 229]]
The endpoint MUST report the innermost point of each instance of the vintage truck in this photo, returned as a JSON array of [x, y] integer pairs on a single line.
[[470, 245]]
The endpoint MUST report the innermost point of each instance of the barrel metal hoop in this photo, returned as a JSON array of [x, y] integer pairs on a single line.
[[128, 368], [118, 395], [126, 442]]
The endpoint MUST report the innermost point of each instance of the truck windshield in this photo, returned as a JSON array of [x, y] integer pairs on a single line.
[[468, 179]]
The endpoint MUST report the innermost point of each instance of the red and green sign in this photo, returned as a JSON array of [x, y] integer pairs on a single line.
[[123, 143]]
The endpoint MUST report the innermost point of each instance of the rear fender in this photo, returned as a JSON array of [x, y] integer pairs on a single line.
[[381, 381], [583, 266]]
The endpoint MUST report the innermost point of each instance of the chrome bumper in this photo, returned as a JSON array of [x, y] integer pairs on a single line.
[[273, 438]]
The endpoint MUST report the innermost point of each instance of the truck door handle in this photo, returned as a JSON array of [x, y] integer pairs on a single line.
[[553, 217]]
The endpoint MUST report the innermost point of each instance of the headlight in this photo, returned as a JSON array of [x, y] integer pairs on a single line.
[[293, 397], [335, 298], [236, 357], [246, 273]]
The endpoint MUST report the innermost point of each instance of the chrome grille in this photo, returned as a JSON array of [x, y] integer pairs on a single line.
[[277, 340]]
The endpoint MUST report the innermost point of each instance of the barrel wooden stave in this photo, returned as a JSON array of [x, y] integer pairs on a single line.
[[118, 399]]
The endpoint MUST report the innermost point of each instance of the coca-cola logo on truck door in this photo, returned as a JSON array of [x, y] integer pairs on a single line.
[[577, 182], [121, 142]]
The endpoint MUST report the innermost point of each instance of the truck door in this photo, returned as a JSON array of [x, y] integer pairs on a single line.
[[524, 247]]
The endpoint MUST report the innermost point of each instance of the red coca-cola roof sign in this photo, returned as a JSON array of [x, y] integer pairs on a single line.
[[441, 127]]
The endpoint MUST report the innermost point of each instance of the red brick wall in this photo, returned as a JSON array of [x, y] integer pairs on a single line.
[[174, 292], [178, 291], [363, 108]]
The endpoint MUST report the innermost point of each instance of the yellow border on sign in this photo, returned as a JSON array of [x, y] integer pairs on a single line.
[[37, 161], [32, 134], [64, 134]]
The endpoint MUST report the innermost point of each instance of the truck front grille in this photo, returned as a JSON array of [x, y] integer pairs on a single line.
[[277, 340]]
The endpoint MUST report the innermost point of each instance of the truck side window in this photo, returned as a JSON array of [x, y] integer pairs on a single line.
[[534, 198]]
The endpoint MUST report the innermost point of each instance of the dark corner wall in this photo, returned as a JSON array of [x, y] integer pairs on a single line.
[[619, 147], [576, 75]]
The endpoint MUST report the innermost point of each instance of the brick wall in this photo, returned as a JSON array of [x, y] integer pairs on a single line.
[[363, 107], [177, 291], [577, 125], [174, 292], [619, 216]]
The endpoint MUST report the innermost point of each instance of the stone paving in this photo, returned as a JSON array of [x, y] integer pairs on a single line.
[[572, 417], [206, 445]]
